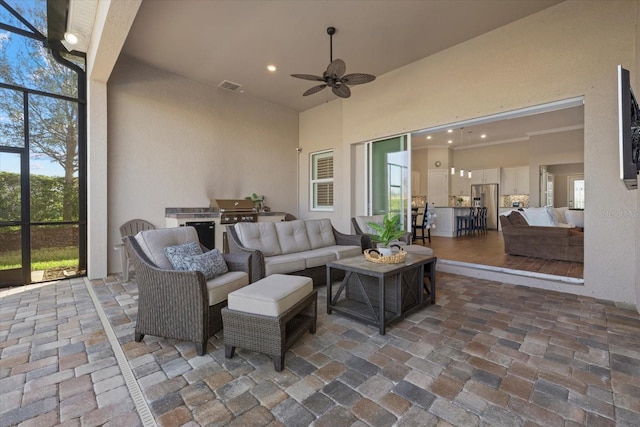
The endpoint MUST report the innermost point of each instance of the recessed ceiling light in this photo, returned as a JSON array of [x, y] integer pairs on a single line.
[[271, 68], [450, 141], [483, 135], [71, 38], [428, 136], [450, 130]]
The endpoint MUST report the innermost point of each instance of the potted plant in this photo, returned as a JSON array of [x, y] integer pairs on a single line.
[[459, 201], [258, 201], [385, 233]]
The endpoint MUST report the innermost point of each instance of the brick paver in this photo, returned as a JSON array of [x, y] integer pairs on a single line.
[[486, 354]]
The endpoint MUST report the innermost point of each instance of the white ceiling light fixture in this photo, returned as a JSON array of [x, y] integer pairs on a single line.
[[271, 68], [71, 38], [80, 18]]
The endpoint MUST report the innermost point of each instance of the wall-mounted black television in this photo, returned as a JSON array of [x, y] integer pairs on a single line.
[[629, 131]]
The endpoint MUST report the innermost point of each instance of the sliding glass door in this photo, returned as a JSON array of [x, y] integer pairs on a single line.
[[388, 172]]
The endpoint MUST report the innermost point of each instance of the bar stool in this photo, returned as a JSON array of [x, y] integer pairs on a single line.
[[482, 220], [465, 223]]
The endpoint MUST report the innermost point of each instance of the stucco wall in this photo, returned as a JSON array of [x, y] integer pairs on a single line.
[[566, 51], [177, 143]]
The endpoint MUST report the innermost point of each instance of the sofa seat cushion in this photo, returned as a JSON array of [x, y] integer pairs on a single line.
[[272, 295], [259, 236], [345, 251], [320, 233], [418, 250], [318, 257], [220, 286], [292, 236], [283, 264], [153, 243]]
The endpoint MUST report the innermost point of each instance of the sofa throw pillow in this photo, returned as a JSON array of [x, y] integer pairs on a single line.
[[176, 254], [212, 263], [558, 213], [539, 217], [575, 218]]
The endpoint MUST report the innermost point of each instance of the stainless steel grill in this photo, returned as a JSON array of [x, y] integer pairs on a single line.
[[236, 210]]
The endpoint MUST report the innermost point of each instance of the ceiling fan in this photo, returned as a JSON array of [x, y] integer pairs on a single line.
[[334, 77]]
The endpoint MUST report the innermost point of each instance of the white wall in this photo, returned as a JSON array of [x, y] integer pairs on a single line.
[[566, 51], [174, 142], [111, 25]]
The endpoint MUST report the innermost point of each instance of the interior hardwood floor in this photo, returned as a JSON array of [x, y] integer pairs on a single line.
[[488, 249]]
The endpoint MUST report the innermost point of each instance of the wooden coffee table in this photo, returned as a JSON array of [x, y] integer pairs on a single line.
[[379, 294]]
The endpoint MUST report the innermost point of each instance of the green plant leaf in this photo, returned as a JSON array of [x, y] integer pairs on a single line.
[[388, 231]]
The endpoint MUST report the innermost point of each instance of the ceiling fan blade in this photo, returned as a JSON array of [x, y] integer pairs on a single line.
[[342, 91], [357, 78], [336, 68], [314, 90], [308, 77]]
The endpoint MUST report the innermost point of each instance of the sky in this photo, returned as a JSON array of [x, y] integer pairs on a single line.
[[10, 44]]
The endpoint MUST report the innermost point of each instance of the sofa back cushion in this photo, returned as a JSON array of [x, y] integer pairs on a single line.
[[292, 236], [153, 242], [259, 236], [320, 233]]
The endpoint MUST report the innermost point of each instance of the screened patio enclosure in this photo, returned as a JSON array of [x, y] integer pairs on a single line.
[[42, 148]]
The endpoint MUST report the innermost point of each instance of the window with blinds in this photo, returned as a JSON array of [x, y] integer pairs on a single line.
[[322, 180]]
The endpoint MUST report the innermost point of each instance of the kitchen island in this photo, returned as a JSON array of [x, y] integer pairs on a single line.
[[446, 220]]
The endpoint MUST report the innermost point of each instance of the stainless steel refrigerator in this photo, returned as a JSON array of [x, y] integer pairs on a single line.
[[486, 196]]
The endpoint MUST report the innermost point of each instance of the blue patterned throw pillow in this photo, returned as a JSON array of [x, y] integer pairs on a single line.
[[211, 263], [177, 254]]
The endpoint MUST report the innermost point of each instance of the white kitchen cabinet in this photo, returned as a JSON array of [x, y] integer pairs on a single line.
[[515, 180], [485, 176], [438, 187], [460, 185]]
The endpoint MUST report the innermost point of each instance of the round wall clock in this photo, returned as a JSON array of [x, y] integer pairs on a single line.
[[438, 163]]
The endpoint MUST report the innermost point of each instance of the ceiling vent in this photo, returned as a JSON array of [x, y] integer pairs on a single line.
[[227, 85]]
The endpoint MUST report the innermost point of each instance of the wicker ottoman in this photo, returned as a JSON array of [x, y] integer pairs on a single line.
[[269, 316]]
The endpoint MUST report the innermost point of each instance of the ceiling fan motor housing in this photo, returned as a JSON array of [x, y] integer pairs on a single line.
[[333, 76]]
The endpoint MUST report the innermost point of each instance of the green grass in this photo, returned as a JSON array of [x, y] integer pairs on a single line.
[[42, 259]]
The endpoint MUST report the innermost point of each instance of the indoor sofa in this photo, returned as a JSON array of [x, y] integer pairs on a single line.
[[559, 242], [300, 247]]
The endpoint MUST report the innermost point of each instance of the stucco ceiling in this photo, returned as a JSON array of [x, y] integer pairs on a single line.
[[215, 40]]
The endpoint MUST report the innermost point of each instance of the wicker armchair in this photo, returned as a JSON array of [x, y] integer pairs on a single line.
[[175, 304]]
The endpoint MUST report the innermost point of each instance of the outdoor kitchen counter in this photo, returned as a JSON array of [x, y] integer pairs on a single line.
[[176, 217], [205, 213]]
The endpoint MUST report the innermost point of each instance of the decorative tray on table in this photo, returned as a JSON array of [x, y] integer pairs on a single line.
[[374, 255]]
